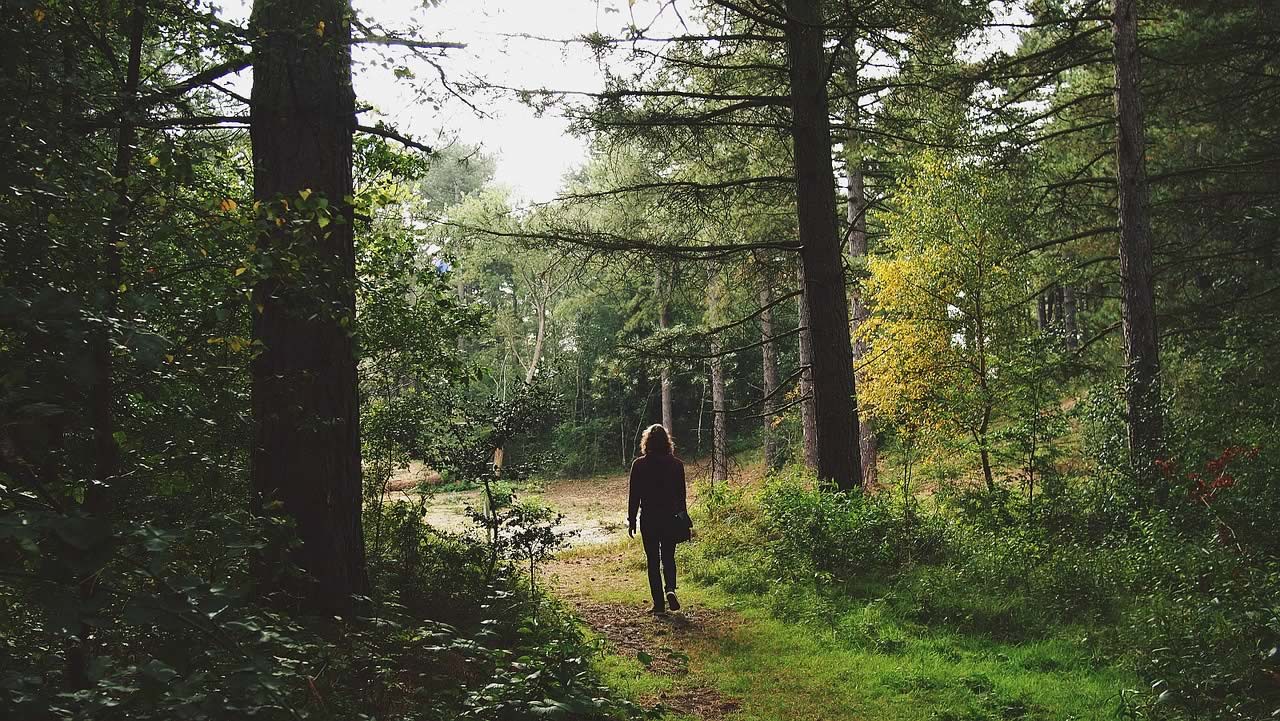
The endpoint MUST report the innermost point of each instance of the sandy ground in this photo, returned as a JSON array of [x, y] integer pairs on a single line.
[[595, 509]]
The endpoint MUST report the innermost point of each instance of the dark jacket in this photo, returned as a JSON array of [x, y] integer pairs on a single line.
[[658, 489]]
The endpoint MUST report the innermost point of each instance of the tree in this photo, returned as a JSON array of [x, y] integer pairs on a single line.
[[1141, 344], [856, 215], [719, 419], [951, 314], [306, 440], [770, 383], [823, 270]]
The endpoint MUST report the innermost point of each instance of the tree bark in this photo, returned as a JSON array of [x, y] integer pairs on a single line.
[[1069, 328], [662, 291], [823, 269], [857, 219], [808, 421], [1138, 318], [719, 432], [769, 373], [306, 441], [540, 307], [106, 452]]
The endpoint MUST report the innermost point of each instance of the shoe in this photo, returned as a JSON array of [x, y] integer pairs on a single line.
[[672, 601], [658, 611]]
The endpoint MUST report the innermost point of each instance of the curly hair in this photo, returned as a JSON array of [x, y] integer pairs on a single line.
[[656, 440]]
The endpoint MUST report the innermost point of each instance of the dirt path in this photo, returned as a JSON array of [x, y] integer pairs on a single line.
[[599, 584], [601, 576]]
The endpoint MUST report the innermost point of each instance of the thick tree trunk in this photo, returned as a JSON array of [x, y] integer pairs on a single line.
[[821, 263], [808, 421], [769, 373], [719, 432], [857, 218], [99, 495], [1141, 348], [662, 292], [306, 442]]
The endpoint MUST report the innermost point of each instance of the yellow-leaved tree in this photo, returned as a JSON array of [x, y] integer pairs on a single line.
[[951, 306]]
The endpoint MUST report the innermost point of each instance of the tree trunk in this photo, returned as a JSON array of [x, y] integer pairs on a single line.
[[306, 442], [1069, 328], [1138, 318], [833, 385], [808, 421], [540, 306], [662, 291], [106, 452], [461, 287], [769, 371], [857, 218], [719, 433]]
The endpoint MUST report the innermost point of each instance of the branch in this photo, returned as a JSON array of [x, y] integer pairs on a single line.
[[204, 77], [389, 134], [407, 42]]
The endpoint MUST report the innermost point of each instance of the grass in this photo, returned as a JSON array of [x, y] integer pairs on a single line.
[[790, 654]]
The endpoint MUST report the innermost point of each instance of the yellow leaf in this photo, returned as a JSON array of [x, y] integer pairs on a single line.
[[279, 221], [153, 161], [38, 14], [261, 308], [204, 252], [253, 247], [120, 244], [322, 220], [228, 205], [168, 357], [304, 194], [123, 287], [320, 28], [240, 271]]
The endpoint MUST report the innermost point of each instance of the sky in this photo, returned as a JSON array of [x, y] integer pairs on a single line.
[[533, 152]]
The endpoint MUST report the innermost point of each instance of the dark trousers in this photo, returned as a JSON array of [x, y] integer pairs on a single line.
[[657, 548]]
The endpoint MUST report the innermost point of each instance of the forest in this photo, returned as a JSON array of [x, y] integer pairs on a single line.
[[962, 314]]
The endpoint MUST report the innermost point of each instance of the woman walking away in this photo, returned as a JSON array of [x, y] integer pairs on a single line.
[[658, 489]]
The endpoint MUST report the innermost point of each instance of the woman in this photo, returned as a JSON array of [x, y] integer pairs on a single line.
[[657, 488]]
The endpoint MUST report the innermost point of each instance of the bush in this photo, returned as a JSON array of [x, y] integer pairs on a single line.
[[1207, 635], [813, 530]]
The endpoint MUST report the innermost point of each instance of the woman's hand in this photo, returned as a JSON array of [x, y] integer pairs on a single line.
[[631, 528]]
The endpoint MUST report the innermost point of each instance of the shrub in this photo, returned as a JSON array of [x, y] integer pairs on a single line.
[[815, 530]]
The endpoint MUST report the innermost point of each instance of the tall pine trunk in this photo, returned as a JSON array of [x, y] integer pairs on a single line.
[[306, 440], [804, 352], [719, 431], [769, 376], [106, 451], [662, 290], [822, 266], [1141, 348], [1070, 329], [857, 218]]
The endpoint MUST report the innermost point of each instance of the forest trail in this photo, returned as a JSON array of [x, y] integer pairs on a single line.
[[595, 509], [658, 655]]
